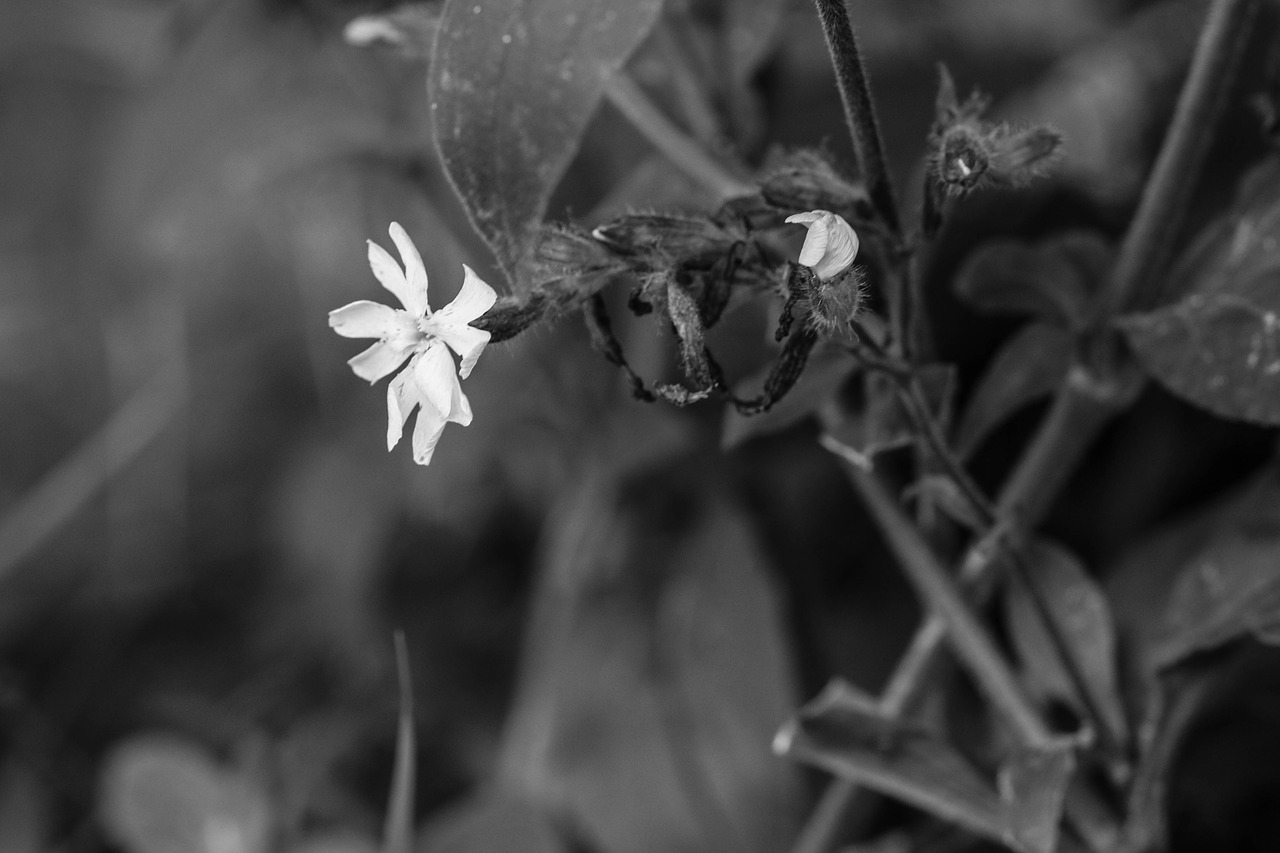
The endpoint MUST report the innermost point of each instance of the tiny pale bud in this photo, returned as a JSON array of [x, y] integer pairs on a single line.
[[831, 244]]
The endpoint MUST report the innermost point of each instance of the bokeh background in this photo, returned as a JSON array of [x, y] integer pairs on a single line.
[[205, 547]]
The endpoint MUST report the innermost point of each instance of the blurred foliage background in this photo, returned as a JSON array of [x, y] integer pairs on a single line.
[[204, 547]]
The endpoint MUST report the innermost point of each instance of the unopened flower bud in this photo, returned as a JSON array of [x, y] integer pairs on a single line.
[[658, 241], [806, 180], [969, 151], [830, 246]]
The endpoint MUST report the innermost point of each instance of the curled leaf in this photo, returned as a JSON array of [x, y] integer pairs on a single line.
[[844, 732]]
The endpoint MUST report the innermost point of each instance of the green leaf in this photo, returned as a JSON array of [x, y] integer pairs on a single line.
[[844, 732], [1030, 365], [1052, 280], [657, 670], [513, 87], [163, 794], [1219, 345], [1080, 612], [1230, 587]]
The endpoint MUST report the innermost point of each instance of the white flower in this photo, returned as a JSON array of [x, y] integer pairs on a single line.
[[429, 382], [831, 244]]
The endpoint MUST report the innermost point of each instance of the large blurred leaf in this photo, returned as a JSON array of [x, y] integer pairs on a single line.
[[1228, 589], [655, 676], [845, 733], [1051, 280], [25, 819], [1219, 345], [1197, 586], [161, 794], [513, 86], [1082, 619]]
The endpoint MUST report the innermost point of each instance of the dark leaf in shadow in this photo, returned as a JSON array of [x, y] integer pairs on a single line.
[[1082, 616], [1219, 345], [512, 90], [1029, 366], [1052, 280]]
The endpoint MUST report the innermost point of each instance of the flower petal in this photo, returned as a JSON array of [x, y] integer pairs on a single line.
[[460, 407], [377, 361], [401, 400], [365, 319], [426, 432], [388, 272], [467, 342], [433, 373], [831, 244], [806, 217], [415, 299], [475, 298]]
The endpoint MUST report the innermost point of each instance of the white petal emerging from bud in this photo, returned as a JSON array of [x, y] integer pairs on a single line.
[[831, 244]]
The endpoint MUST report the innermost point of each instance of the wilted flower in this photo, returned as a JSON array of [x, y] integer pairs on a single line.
[[429, 383], [831, 244]]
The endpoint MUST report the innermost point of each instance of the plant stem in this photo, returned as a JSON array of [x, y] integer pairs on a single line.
[[1155, 224], [1080, 409], [1082, 405], [964, 630], [859, 112], [674, 143]]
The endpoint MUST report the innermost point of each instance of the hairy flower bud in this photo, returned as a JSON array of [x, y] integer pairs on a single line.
[[834, 292], [806, 181], [658, 242], [969, 151]]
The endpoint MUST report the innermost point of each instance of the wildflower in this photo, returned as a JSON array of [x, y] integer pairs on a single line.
[[831, 244], [834, 292], [421, 335]]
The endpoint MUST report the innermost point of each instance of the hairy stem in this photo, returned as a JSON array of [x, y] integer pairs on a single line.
[[859, 112], [1155, 224], [686, 154]]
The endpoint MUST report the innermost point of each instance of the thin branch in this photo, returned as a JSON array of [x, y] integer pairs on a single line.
[[74, 481], [964, 630], [1164, 198], [686, 154]]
